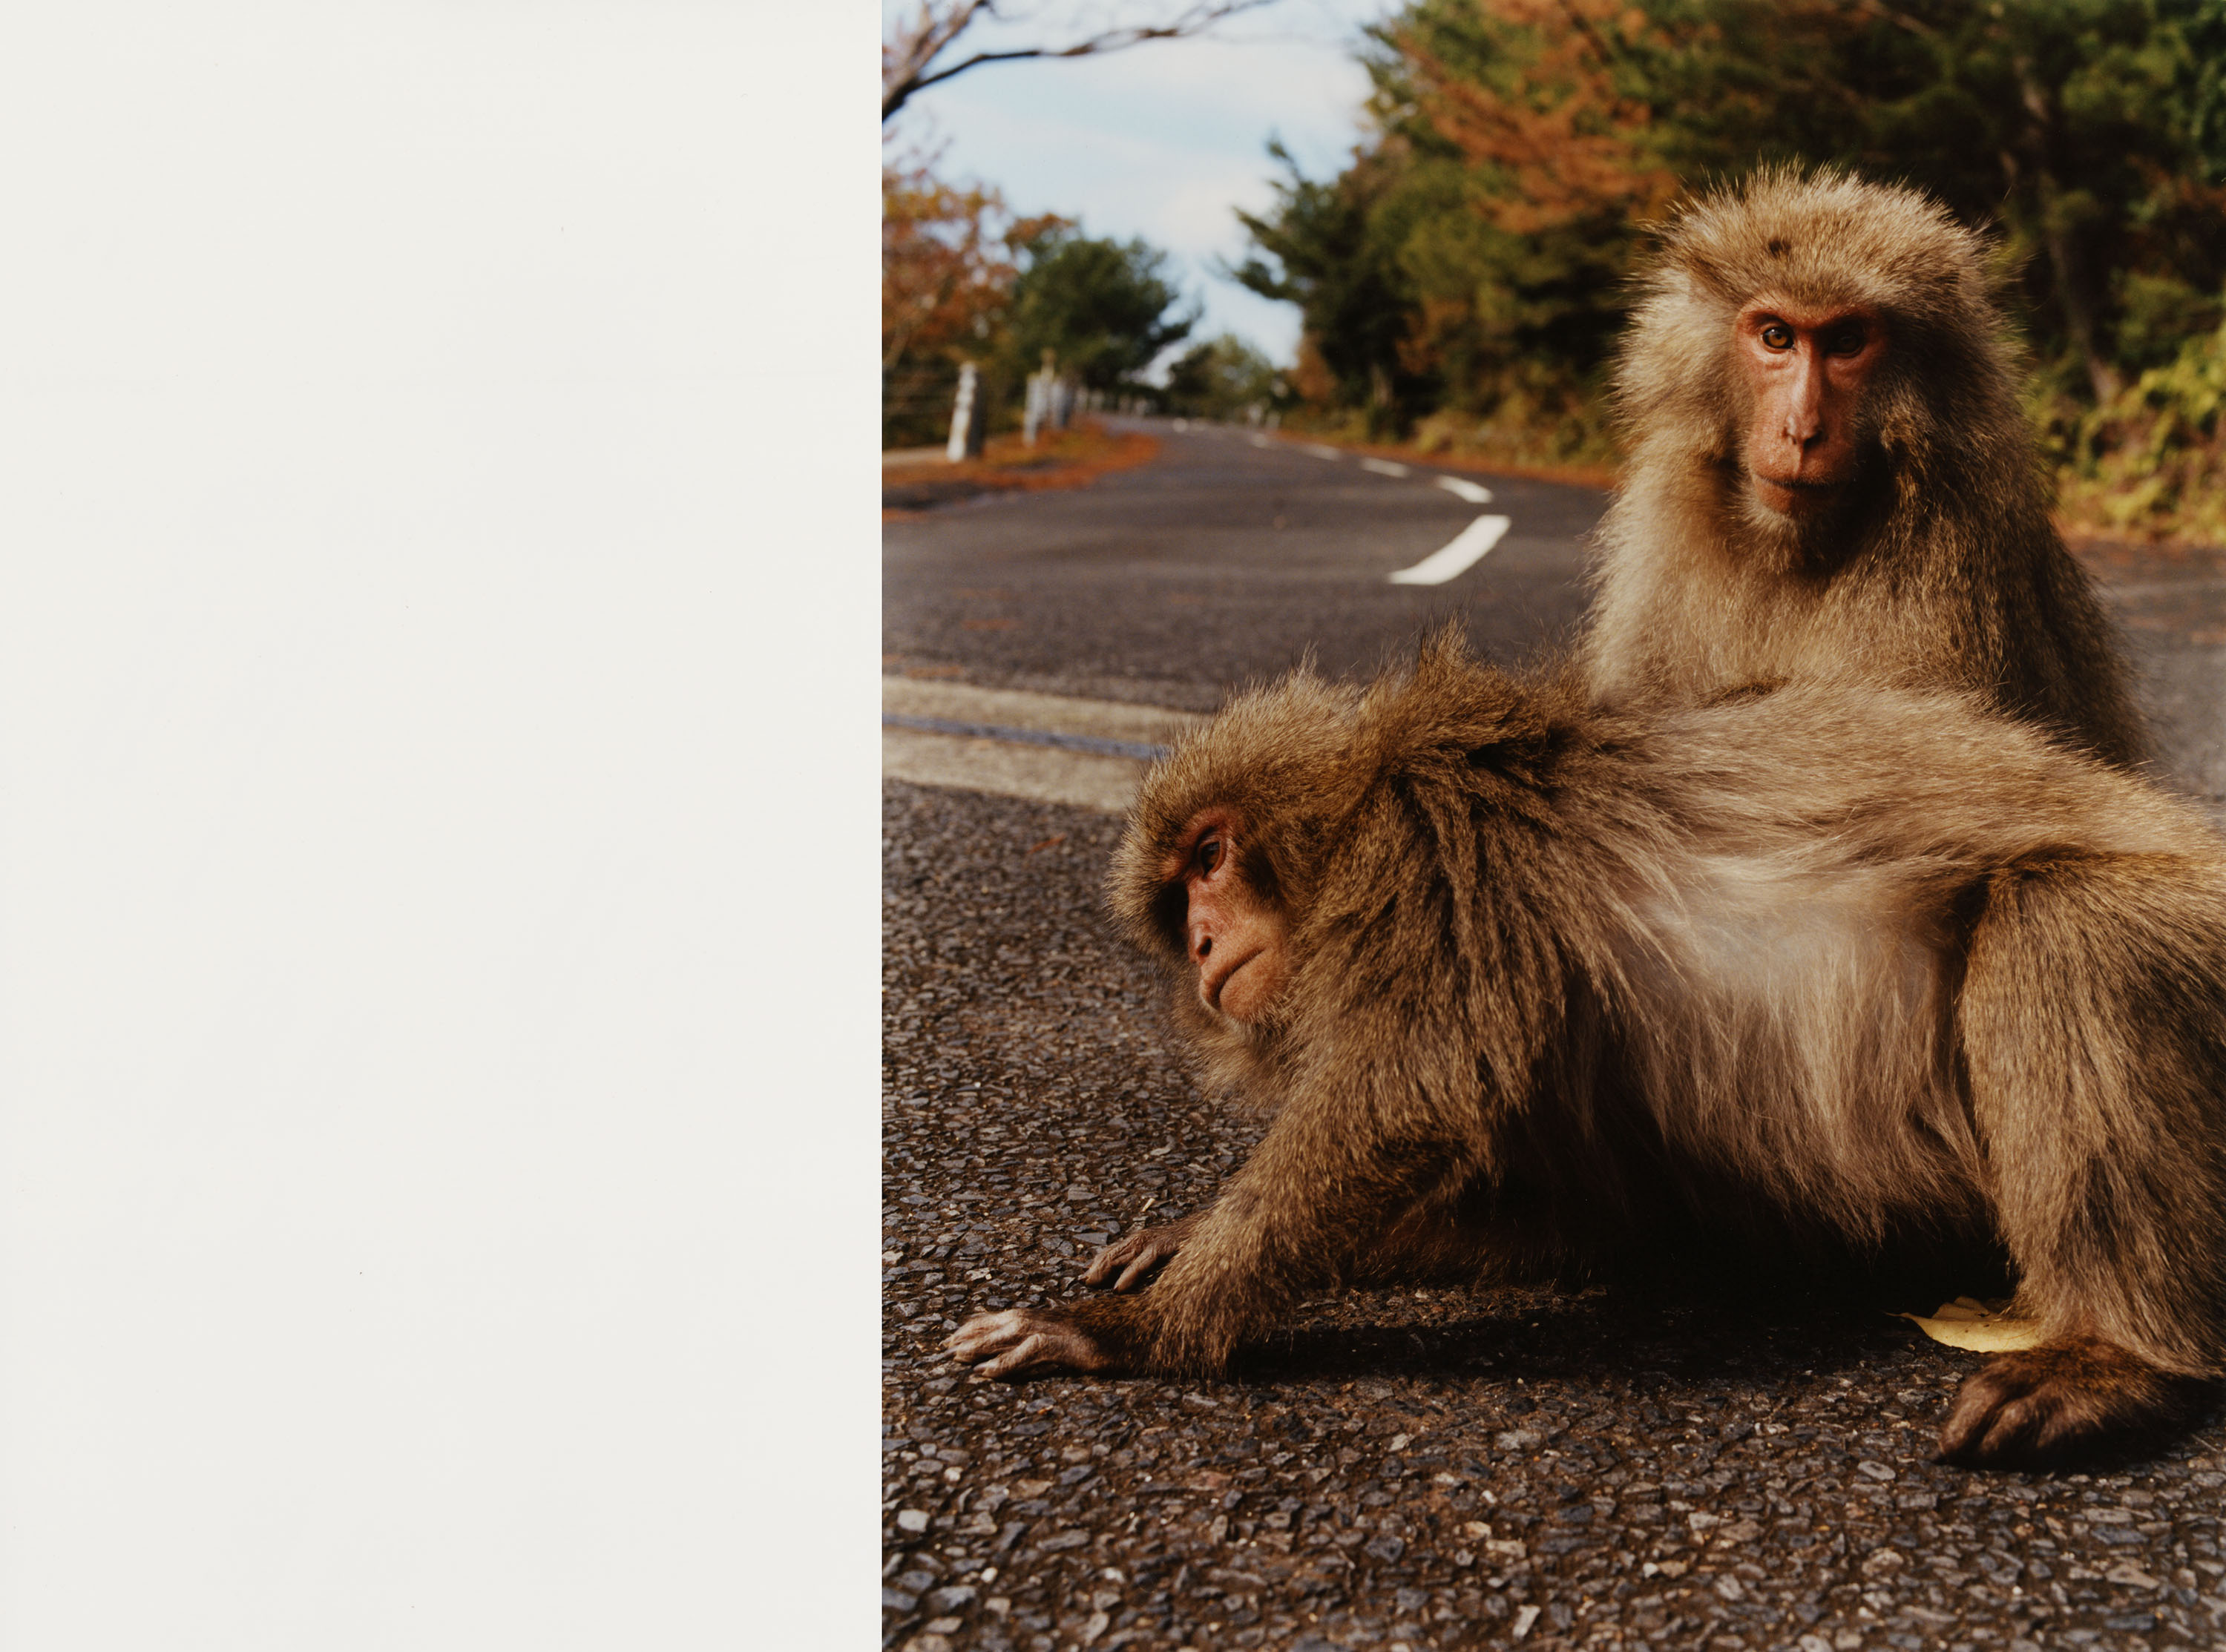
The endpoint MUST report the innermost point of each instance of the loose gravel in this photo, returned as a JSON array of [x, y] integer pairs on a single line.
[[1399, 1469]]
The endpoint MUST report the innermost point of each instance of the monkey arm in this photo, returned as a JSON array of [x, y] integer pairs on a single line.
[[1364, 1140], [1336, 1173], [1136, 1258]]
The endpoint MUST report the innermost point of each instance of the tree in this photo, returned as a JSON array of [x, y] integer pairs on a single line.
[[1222, 379], [945, 269], [948, 269], [922, 52], [1334, 251], [1472, 258], [1100, 307]]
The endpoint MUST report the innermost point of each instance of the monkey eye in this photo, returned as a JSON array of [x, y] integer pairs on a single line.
[[1845, 340], [1209, 855], [1775, 335]]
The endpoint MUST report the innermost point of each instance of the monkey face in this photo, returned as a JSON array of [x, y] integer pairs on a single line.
[[1234, 935], [1807, 369]]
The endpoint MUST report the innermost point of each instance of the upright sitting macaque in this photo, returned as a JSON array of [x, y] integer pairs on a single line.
[[1829, 472], [1526, 979]]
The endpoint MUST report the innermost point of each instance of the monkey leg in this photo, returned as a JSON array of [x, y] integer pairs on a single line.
[[2092, 1022], [1127, 1263]]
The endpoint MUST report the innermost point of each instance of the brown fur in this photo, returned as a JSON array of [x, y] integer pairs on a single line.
[[1832, 959], [1942, 568]]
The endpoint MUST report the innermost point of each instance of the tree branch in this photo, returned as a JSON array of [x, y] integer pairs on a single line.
[[907, 63]]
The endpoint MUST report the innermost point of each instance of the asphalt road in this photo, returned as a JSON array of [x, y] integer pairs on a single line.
[[1221, 563], [1718, 1462]]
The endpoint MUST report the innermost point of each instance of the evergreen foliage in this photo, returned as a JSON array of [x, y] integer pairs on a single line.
[[1223, 379], [1102, 308]]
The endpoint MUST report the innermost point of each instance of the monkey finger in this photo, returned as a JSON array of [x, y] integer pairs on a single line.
[[1034, 1353], [1116, 1255], [1137, 1257], [1018, 1343], [1135, 1273], [979, 1336], [1134, 1259], [1141, 1268], [1988, 1417], [1049, 1345], [2006, 1432]]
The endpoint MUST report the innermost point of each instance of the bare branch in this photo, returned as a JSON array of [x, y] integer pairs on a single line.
[[1583, 25], [1900, 19], [908, 61]]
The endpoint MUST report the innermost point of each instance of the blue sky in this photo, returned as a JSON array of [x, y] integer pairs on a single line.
[[1163, 141]]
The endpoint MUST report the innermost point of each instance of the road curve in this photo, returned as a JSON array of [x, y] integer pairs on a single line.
[[1224, 561]]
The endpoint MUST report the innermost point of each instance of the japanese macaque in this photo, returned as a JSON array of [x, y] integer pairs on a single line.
[[1829, 471], [1526, 981]]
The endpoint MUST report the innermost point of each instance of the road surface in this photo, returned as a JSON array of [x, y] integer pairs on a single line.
[[1721, 1465]]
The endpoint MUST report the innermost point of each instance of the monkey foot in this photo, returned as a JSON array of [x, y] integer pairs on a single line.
[[1137, 1257], [2038, 1407], [1018, 1343]]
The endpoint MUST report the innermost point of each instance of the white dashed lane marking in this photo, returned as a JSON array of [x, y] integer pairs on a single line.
[[1451, 561]]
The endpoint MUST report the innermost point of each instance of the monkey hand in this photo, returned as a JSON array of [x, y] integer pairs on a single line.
[[1019, 1342], [1143, 1253], [2038, 1407]]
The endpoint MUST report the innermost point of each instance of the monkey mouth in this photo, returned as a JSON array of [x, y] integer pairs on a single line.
[[1793, 494], [1210, 987]]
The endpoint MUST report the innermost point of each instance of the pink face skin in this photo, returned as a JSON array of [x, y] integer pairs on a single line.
[[1807, 369], [1235, 939]]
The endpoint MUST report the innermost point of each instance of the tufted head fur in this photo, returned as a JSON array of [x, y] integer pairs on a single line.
[[1824, 240], [1312, 770]]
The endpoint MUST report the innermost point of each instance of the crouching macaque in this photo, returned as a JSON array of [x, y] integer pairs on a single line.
[[1525, 979], [1829, 470]]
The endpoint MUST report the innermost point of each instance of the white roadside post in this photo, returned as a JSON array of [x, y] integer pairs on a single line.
[[965, 416], [1040, 409]]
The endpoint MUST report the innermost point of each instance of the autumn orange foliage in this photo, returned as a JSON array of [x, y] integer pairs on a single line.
[[947, 266], [1557, 138]]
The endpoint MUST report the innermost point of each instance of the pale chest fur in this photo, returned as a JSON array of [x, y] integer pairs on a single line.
[[1793, 1030]]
